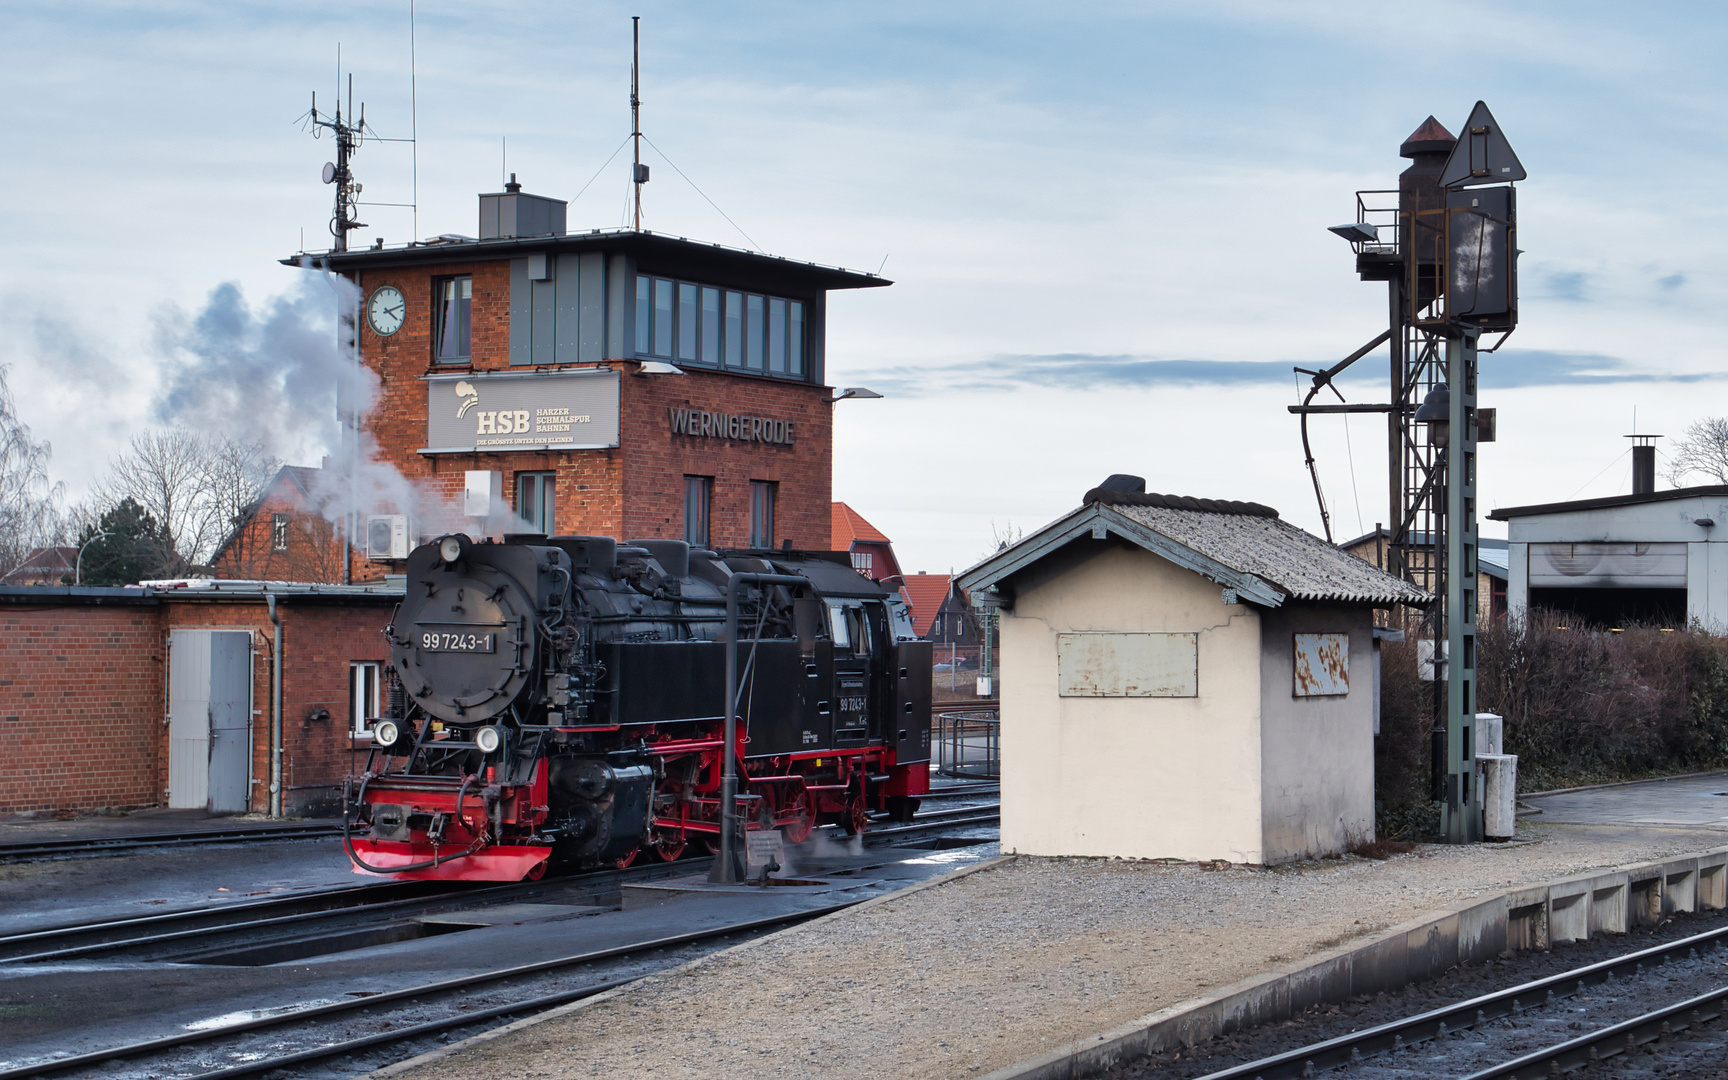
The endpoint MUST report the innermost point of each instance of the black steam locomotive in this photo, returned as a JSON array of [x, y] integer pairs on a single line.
[[561, 700]]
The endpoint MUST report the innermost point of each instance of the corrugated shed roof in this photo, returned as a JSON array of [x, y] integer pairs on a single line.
[[924, 595], [1296, 563], [847, 525]]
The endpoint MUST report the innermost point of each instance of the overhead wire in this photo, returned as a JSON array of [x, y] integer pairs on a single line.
[[601, 169], [702, 193], [1350, 455]]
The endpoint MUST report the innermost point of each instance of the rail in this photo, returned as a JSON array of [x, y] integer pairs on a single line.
[[1511, 1002], [969, 742]]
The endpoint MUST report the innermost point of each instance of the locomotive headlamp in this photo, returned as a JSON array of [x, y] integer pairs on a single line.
[[450, 548], [385, 733], [488, 739]]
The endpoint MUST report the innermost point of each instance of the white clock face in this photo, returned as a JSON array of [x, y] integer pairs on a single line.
[[385, 310]]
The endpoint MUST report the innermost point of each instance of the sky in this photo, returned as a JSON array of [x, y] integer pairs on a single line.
[[1105, 223]]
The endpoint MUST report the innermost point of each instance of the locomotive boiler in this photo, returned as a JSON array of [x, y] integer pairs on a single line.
[[561, 700]]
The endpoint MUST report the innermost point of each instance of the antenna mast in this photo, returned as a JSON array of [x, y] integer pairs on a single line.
[[349, 134], [638, 171]]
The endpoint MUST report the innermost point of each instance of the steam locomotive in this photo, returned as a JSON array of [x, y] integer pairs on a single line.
[[560, 701]]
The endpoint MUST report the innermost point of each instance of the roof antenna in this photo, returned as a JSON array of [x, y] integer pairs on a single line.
[[349, 134], [638, 171]]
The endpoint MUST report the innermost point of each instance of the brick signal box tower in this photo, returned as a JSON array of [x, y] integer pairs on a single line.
[[617, 382]]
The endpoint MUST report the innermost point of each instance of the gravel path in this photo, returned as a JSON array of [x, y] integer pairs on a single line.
[[1005, 963]]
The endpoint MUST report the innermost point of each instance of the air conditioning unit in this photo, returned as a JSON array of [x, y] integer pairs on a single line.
[[387, 536]]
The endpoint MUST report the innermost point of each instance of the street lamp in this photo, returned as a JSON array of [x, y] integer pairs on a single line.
[[852, 392], [78, 567]]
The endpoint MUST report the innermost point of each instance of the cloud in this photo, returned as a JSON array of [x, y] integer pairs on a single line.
[[1672, 281], [1509, 369], [1567, 285]]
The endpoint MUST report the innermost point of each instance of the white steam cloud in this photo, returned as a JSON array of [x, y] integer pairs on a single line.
[[283, 374]]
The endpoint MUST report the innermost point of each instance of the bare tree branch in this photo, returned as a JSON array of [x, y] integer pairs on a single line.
[[1702, 451], [29, 504], [199, 487]]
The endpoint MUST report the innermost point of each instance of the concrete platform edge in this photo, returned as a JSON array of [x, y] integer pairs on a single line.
[[1527, 917], [443, 1052]]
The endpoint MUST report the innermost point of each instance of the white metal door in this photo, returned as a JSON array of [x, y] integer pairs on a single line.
[[188, 718], [209, 719]]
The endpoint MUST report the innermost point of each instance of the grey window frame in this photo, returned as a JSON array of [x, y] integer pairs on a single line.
[[441, 318], [365, 679], [701, 489], [278, 532], [753, 333], [764, 494], [545, 497]]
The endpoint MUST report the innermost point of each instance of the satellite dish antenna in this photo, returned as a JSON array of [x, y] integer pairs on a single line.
[[329, 173], [1482, 154]]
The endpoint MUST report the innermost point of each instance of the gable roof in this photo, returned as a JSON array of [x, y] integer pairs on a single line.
[[847, 526], [43, 564], [1245, 547], [924, 595], [294, 480]]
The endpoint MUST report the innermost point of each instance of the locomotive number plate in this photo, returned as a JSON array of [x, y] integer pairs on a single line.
[[442, 641]]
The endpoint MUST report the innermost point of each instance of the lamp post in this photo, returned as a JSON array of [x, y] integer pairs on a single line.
[[78, 566], [858, 393]]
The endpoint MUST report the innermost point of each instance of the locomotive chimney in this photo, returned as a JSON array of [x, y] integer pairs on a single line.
[[1643, 463]]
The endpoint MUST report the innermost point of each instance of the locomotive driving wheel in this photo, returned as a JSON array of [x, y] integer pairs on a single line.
[[798, 830], [669, 844], [628, 857], [856, 817]]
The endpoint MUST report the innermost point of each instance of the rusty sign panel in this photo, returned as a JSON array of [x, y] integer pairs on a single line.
[[1322, 665], [1128, 665]]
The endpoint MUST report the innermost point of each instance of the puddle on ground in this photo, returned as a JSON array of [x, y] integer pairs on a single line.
[[246, 1015], [945, 858]]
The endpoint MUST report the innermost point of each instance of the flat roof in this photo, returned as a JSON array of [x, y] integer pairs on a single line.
[[192, 590], [654, 252], [1606, 503]]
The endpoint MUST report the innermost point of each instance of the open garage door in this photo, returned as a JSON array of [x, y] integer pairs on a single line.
[[1611, 584]]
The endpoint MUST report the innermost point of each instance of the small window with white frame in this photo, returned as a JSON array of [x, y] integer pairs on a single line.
[[364, 681]]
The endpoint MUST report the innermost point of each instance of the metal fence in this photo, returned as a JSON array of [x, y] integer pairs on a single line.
[[969, 743]]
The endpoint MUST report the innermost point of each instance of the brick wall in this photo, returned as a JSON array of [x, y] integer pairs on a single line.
[[313, 552], [319, 641], [83, 698], [81, 707], [658, 460], [637, 490]]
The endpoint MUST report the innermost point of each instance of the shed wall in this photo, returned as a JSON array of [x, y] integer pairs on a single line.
[[1317, 753], [83, 700], [1129, 777], [1664, 521], [81, 708]]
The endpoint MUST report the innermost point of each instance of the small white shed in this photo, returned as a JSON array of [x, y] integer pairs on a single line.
[[1185, 678]]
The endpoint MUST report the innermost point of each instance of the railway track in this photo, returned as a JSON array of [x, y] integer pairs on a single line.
[[288, 917], [1527, 1031], [115, 845], [329, 1027], [134, 1054]]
